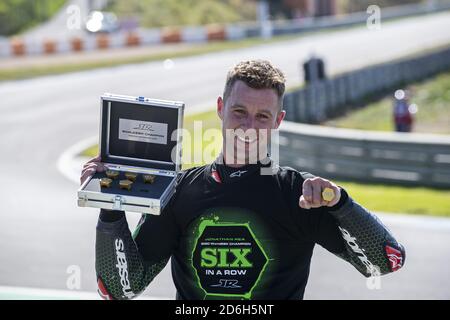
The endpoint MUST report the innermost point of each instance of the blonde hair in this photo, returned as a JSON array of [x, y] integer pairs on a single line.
[[257, 74]]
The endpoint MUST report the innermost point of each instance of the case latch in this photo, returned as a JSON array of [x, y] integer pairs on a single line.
[[117, 205]]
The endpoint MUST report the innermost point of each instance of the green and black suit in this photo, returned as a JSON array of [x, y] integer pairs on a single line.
[[237, 234]]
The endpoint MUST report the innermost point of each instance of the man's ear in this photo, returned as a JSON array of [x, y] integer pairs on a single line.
[[220, 107], [280, 117]]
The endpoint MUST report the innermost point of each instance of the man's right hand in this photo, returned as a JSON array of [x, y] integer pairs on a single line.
[[91, 167]]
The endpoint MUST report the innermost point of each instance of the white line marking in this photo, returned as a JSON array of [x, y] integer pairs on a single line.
[[414, 221], [69, 163], [24, 293]]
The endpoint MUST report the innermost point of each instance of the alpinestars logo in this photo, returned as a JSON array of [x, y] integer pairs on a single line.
[[351, 241], [395, 258], [122, 267], [237, 174]]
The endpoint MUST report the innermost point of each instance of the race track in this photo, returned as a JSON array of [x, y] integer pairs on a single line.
[[42, 232]]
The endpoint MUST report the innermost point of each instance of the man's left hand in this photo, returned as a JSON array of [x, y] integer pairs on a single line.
[[312, 193]]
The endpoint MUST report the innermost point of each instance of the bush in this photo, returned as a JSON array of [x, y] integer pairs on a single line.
[[18, 15], [159, 13]]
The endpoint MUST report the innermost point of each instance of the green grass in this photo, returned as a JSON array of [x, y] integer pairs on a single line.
[[375, 197], [41, 70], [17, 16], [398, 199], [431, 96], [184, 12]]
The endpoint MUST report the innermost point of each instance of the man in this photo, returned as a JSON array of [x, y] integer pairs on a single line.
[[232, 232], [403, 118]]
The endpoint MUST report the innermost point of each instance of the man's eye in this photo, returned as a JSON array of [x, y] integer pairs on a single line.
[[263, 117], [240, 112]]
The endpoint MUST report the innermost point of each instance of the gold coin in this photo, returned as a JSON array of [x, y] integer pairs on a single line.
[[148, 178], [125, 184], [328, 194], [131, 176], [105, 182], [112, 174]]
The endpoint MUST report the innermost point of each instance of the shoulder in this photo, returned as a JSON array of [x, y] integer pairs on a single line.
[[190, 174], [289, 174]]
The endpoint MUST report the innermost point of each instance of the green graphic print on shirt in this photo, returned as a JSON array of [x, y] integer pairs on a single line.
[[229, 256]]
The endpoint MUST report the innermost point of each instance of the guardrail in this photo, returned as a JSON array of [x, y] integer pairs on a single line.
[[281, 27], [18, 46], [385, 157], [326, 99]]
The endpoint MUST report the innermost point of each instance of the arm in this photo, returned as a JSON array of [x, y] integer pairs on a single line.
[[369, 245], [126, 264], [122, 273], [348, 230]]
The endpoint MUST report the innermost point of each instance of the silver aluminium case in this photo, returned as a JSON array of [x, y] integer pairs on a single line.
[[101, 200]]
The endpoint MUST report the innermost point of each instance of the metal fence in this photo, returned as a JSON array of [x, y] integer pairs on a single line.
[[328, 98], [282, 27], [386, 157]]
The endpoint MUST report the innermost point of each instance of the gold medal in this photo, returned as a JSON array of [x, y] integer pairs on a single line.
[[105, 182], [125, 184], [131, 176], [328, 194], [148, 178], [112, 174]]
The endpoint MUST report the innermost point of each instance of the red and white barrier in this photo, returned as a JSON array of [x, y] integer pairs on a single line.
[[17, 46]]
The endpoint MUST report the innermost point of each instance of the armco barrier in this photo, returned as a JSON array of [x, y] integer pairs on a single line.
[[18, 46], [327, 98], [385, 157]]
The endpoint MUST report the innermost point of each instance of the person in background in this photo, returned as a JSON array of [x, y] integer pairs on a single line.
[[403, 118]]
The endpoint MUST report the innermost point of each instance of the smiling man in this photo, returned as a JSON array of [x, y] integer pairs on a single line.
[[233, 232]]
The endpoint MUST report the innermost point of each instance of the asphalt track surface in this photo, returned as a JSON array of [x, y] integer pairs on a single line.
[[43, 233]]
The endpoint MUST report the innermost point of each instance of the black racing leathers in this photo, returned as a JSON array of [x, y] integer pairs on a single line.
[[237, 234]]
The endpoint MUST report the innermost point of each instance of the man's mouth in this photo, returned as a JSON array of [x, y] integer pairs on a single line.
[[246, 139]]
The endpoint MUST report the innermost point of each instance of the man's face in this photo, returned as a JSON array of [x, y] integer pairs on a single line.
[[255, 112]]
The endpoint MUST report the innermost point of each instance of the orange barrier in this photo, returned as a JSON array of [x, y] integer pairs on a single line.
[[17, 47], [49, 46], [102, 41], [77, 44], [213, 32], [216, 32], [170, 35], [132, 40]]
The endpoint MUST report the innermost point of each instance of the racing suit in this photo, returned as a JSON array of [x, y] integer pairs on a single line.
[[232, 233]]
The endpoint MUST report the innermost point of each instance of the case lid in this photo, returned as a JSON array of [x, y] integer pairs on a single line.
[[141, 132]]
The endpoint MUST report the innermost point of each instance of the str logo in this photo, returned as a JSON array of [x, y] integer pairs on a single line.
[[229, 284]]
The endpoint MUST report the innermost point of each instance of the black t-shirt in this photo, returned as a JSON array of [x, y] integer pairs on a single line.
[[237, 234]]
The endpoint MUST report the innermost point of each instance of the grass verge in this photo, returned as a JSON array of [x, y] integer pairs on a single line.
[[399, 199], [432, 97]]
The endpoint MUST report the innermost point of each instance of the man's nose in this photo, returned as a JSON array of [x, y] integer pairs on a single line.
[[248, 123]]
